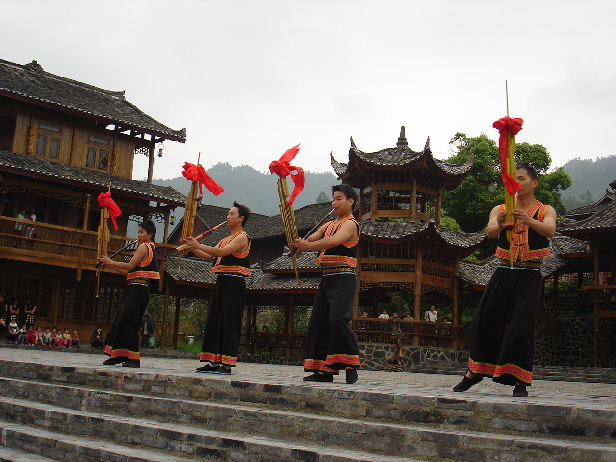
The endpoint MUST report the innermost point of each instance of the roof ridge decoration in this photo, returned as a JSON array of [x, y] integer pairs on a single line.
[[402, 141]]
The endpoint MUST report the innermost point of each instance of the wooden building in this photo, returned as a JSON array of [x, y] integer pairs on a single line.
[[596, 224], [403, 247], [62, 143]]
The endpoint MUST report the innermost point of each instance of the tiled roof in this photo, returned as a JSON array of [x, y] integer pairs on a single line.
[[305, 262], [49, 170], [399, 157], [602, 219], [419, 230], [30, 82], [197, 271], [260, 281], [261, 226], [479, 273], [192, 270], [587, 210]]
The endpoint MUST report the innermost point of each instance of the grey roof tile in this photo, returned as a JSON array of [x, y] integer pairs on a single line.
[[46, 169], [32, 83]]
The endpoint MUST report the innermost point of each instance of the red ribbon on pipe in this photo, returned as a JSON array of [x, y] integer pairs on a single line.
[[197, 173], [506, 126], [283, 168], [105, 200]]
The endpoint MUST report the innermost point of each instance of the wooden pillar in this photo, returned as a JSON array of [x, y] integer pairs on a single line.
[[417, 291], [595, 279], [151, 161], [166, 232], [373, 204], [455, 307], [84, 227], [176, 322], [437, 211], [289, 325], [163, 336], [413, 199]]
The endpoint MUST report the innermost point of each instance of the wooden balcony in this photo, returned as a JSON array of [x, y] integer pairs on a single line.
[[58, 245]]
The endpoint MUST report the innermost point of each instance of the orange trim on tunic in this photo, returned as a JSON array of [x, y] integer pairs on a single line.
[[143, 274], [328, 230], [218, 268], [520, 237], [222, 269]]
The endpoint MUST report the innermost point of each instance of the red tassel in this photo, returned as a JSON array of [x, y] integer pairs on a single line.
[[197, 173], [506, 126], [105, 201], [282, 168]]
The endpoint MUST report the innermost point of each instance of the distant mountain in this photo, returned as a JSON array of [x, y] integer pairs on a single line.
[[258, 191], [590, 179]]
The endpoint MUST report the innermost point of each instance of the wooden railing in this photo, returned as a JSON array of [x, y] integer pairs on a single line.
[[368, 330], [417, 333], [279, 345], [58, 245]]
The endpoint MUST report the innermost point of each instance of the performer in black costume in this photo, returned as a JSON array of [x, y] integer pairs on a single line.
[[122, 343], [503, 329], [330, 343], [223, 327]]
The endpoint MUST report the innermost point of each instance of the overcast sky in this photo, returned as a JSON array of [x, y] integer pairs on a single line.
[[249, 79]]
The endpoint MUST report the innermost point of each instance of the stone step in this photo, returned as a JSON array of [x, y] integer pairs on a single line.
[[41, 444], [590, 423], [13, 455], [167, 438], [572, 416], [345, 434]]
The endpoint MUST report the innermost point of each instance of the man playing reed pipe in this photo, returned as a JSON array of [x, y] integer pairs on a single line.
[[330, 344], [223, 327], [503, 329]]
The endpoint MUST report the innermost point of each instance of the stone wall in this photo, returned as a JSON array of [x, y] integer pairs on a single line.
[[559, 341], [568, 341]]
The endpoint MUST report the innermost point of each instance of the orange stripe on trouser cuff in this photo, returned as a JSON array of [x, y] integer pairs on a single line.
[[122, 352], [317, 365], [218, 358], [499, 371], [349, 360]]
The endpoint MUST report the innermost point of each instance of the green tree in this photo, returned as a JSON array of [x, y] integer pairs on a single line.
[[322, 198], [471, 202]]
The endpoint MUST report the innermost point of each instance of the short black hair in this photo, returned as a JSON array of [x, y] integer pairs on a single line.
[[149, 227], [345, 189], [243, 211], [530, 170]]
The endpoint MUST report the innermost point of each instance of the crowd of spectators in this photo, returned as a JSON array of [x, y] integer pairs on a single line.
[[18, 324]]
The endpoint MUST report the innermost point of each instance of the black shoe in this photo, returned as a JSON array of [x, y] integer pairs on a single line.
[[207, 368], [132, 363], [519, 391], [113, 361], [222, 370], [466, 383], [316, 377], [351, 375]]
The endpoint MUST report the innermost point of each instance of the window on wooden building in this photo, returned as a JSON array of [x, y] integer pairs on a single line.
[[97, 152], [48, 141]]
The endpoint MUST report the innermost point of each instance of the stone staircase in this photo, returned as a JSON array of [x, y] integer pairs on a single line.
[[91, 412]]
